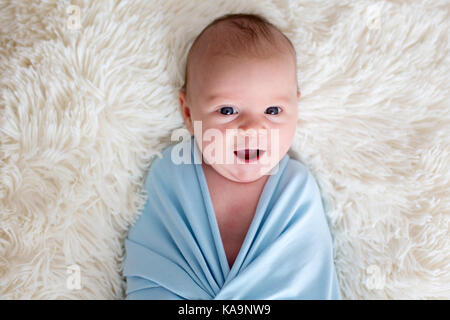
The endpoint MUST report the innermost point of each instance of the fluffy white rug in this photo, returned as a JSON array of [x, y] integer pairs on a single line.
[[89, 97]]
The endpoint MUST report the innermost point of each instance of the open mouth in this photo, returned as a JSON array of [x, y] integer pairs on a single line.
[[249, 155]]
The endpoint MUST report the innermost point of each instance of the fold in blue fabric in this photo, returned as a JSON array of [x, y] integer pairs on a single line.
[[174, 250]]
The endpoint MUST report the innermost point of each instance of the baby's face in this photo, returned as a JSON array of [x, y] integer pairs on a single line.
[[257, 98]]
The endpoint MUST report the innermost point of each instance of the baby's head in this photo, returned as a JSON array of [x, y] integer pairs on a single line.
[[241, 86]]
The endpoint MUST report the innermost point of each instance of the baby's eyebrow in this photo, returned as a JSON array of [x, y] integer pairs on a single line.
[[213, 97]]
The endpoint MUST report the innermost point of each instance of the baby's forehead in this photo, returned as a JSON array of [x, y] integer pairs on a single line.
[[223, 39]]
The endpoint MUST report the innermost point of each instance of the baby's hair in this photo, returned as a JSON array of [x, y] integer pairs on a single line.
[[249, 35]]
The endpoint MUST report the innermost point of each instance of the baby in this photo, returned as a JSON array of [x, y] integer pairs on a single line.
[[246, 82], [233, 227]]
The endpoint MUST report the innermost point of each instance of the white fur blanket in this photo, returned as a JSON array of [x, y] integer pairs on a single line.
[[88, 97]]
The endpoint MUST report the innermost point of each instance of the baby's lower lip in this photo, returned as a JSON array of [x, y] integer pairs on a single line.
[[247, 158]]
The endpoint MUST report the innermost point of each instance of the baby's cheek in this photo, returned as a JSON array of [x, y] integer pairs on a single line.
[[286, 139], [215, 150], [281, 139]]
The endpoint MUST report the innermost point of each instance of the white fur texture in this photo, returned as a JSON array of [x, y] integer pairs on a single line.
[[85, 108]]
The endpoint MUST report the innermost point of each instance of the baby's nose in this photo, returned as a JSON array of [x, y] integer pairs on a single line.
[[250, 134], [250, 127]]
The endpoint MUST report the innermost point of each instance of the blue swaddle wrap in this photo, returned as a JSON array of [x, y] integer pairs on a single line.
[[174, 250]]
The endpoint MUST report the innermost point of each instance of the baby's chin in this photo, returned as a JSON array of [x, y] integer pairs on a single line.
[[243, 173]]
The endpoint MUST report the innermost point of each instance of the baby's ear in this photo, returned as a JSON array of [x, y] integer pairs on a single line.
[[298, 94], [181, 97], [185, 111], [183, 102]]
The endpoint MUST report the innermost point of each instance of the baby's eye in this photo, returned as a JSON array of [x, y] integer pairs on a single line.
[[226, 110], [273, 110]]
